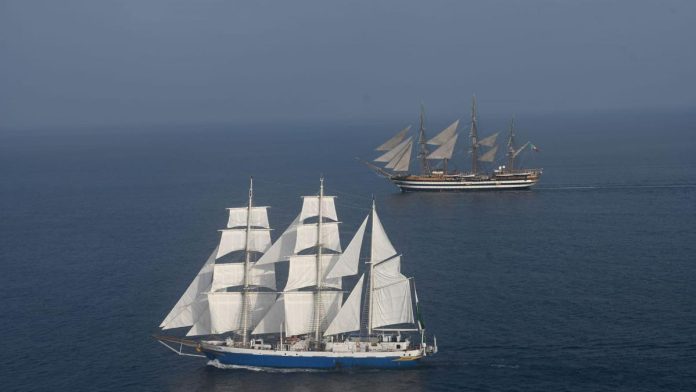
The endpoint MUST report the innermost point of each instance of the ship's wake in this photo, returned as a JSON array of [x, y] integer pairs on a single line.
[[217, 364], [617, 186]]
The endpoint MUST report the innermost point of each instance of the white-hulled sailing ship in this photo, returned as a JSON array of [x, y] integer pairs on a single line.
[[240, 319], [435, 176]]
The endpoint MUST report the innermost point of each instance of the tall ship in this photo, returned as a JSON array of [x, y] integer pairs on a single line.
[[236, 316], [434, 155]]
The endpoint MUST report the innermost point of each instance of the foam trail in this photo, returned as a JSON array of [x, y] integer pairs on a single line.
[[583, 187], [219, 365]]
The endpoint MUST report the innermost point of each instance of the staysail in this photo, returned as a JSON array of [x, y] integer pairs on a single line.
[[395, 140], [444, 136], [445, 150], [284, 246], [489, 156], [272, 321], [348, 317], [394, 152], [402, 161], [193, 304], [489, 141], [348, 262]]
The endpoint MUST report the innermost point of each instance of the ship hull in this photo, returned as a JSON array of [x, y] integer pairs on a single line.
[[312, 359], [407, 184]]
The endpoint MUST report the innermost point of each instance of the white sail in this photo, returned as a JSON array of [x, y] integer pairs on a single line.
[[382, 248], [489, 156], [395, 140], [193, 303], [310, 207], [233, 240], [396, 151], [232, 274], [271, 322], [348, 317], [284, 246], [202, 325], [299, 310], [444, 136], [488, 141], [401, 162], [348, 262], [303, 271], [445, 150], [391, 304], [387, 273], [238, 217], [307, 237], [226, 309]]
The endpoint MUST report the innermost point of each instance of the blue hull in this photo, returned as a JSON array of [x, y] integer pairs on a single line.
[[276, 361]]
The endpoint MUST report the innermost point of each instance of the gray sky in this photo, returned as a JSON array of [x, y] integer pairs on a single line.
[[66, 63]]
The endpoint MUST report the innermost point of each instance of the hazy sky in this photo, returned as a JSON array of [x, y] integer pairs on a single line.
[[65, 63]]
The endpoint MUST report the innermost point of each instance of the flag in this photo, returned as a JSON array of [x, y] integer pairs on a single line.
[[534, 148]]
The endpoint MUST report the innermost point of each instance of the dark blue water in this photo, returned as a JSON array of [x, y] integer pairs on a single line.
[[586, 283]]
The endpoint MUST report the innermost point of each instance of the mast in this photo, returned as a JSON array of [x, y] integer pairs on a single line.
[[317, 296], [247, 260], [511, 146], [474, 137], [422, 142], [371, 282]]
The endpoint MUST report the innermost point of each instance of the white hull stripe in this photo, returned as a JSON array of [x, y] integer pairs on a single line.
[[463, 184], [357, 354]]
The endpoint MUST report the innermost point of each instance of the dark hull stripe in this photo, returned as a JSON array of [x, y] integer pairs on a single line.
[[444, 186]]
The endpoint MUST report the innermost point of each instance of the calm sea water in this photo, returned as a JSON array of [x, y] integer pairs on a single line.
[[585, 283]]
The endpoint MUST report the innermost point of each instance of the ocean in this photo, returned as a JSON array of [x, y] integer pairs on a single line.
[[585, 283]]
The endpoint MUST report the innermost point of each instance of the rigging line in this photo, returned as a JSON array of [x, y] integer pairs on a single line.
[[349, 205], [292, 186], [351, 194], [330, 188], [355, 208]]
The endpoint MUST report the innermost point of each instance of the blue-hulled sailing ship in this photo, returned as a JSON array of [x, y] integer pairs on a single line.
[[236, 316]]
